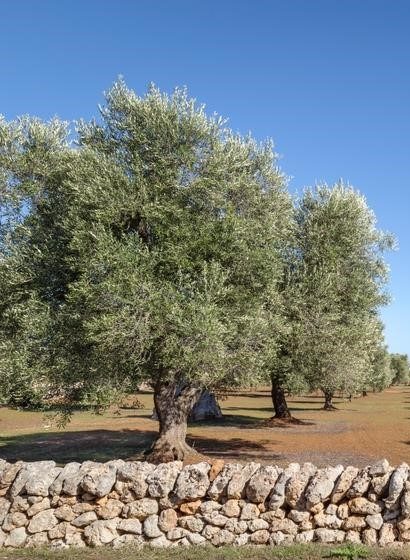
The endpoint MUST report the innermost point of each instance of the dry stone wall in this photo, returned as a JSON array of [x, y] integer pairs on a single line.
[[118, 503]]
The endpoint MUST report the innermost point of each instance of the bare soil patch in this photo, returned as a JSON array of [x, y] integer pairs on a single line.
[[359, 432]]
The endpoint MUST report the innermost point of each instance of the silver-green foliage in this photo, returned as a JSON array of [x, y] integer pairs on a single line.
[[338, 280], [150, 249]]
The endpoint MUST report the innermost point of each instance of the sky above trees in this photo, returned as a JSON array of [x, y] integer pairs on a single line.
[[327, 80]]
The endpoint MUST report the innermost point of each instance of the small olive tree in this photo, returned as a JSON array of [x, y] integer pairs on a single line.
[[150, 250]]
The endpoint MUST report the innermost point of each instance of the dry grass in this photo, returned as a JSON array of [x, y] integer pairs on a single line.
[[359, 432], [297, 552]]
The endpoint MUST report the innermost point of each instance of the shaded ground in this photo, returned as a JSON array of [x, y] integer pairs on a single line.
[[359, 432]]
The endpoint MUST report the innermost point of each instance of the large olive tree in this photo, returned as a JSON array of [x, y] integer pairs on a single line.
[[150, 249]]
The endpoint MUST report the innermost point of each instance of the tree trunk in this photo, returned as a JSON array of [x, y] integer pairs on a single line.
[[206, 408], [173, 405], [328, 401], [280, 405], [364, 393]]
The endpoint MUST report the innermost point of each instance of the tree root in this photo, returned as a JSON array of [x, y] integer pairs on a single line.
[[165, 450], [277, 422]]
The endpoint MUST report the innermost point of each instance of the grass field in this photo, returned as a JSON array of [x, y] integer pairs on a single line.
[[297, 552], [359, 432]]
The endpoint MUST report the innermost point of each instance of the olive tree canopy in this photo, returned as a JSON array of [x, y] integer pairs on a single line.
[[149, 249]]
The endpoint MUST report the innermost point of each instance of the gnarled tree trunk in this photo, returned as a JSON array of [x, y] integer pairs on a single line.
[[173, 405], [328, 400], [280, 405]]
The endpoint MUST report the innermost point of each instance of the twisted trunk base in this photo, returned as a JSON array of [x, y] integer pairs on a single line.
[[173, 405], [328, 401], [280, 406]]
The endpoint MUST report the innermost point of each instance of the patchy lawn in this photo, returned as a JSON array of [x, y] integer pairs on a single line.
[[359, 432], [297, 552]]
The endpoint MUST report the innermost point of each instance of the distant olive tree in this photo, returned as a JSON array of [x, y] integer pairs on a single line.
[[399, 364], [338, 278]]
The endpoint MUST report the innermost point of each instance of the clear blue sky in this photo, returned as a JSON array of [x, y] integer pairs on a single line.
[[328, 80]]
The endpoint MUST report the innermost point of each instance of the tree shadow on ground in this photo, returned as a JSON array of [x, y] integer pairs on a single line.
[[104, 445]]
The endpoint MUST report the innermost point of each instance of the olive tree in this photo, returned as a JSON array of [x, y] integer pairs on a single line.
[[149, 250], [339, 276]]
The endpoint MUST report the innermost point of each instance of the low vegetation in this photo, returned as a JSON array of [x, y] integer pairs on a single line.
[[298, 552]]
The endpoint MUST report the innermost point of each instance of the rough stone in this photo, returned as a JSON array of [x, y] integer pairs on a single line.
[[374, 521], [9, 473], [13, 520], [68, 471], [196, 538], [100, 480], [343, 511], [327, 520], [261, 484], [130, 526], [321, 485], [380, 468], [216, 467], [43, 521], [37, 540], [193, 482], [257, 524], [207, 507], [150, 527], [161, 480], [380, 484], [190, 508], [220, 483], [216, 518], [111, 509], [19, 504], [141, 509], [222, 538], [167, 520], [360, 484], [353, 537], [84, 519], [101, 532], [396, 486], [354, 522], [64, 513], [369, 537], [259, 537], [16, 538], [285, 526], [236, 526], [405, 501], [305, 536], [343, 484], [73, 477], [294, 491], [39, 506], [298, 516], [239, 479], [277, 498], [387, 534], [404, 529], [363, 506], [231, 508], [160, 542], [131, 477], [329, 535], [4, 508], [191, 523], [250, 511]]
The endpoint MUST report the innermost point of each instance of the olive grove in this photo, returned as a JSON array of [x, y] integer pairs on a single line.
[[159, 247]]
